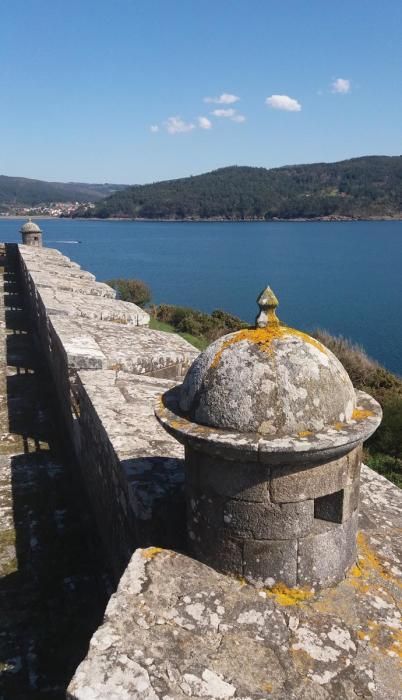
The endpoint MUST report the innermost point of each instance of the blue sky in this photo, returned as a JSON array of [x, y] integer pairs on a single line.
[[115, 90]]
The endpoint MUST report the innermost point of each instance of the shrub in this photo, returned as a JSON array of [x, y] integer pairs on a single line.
[[385, 446], [207, 326], [132, 290]]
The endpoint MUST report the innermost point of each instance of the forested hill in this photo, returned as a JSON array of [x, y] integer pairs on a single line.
[[362, 187], [24, 191]]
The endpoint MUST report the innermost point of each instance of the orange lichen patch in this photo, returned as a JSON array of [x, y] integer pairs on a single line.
[[355, 571], [266, 687], [361, 414], [385, 638], [368, 564], [339, 426], [263, 338], [362, 635], [396, 646], [151, 552], [288, 596], [178, 424], [305, 433]]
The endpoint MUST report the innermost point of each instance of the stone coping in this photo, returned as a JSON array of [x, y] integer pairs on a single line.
[[327, 444], [177, 629], [78, 285], [118, 346], [66, 303], [51, 255]]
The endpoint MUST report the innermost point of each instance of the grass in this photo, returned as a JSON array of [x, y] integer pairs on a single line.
[[199, 343]]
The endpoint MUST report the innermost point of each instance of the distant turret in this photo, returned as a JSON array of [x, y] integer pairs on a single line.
[[31, 234]]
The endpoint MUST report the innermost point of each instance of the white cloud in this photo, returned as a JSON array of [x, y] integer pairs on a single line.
[[204, 123], [284, 102], [341, 85], [239, 118], [177, 125], [224, 99], [154, 128], [230, 113], [224, 112]]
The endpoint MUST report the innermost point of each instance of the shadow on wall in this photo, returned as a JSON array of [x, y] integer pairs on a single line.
[[52, 591]]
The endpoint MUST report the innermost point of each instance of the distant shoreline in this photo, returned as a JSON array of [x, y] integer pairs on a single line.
[[212, 220]]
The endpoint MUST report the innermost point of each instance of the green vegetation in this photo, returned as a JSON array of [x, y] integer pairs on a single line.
[[132, 290], [16, 191], [205, 327], [384, 448], [199, 343], [359, 188]]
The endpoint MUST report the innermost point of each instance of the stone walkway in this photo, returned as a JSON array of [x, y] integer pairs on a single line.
[[51, 592]]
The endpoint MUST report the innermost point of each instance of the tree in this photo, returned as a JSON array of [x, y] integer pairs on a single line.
[[132, 290]]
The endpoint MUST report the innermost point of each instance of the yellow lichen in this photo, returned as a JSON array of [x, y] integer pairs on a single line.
[[178, 424], [361, 635], [369, 564], [339, 426], [288, 596], [361, 414], [305, 433], [355, 571], [267, 687], [151, 552], [263, 338], [384, 638]]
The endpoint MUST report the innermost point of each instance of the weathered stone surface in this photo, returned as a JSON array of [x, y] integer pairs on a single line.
[[317, 447], [59, 294], [77, 285], [131, 349], [246, 481], [294, 384], [269, 521], [295, 484], [269, 562], [132, 468], [327, 552], [64, 303], [181, 622], [225, 555]]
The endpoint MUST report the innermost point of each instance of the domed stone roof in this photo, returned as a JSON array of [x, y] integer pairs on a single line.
[[30, 227], [272, 380]]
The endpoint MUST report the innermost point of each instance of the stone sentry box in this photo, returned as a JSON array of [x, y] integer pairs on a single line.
[[31, 234], [273, 432]]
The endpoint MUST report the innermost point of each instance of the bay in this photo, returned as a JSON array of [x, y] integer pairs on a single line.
[[344, 277]]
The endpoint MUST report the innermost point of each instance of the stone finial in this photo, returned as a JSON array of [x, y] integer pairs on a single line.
[[267, 302]]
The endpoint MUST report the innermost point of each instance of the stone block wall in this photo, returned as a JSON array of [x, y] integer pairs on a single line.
[[107, 368], [274, 524]]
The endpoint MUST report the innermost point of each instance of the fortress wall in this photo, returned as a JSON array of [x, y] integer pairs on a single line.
[[108, 368], [175, 628]]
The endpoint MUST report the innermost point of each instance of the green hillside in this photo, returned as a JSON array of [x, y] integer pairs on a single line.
[[27, 192], [370, 186]]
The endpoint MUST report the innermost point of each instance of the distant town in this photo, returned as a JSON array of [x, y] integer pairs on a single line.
[[55, 209]]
